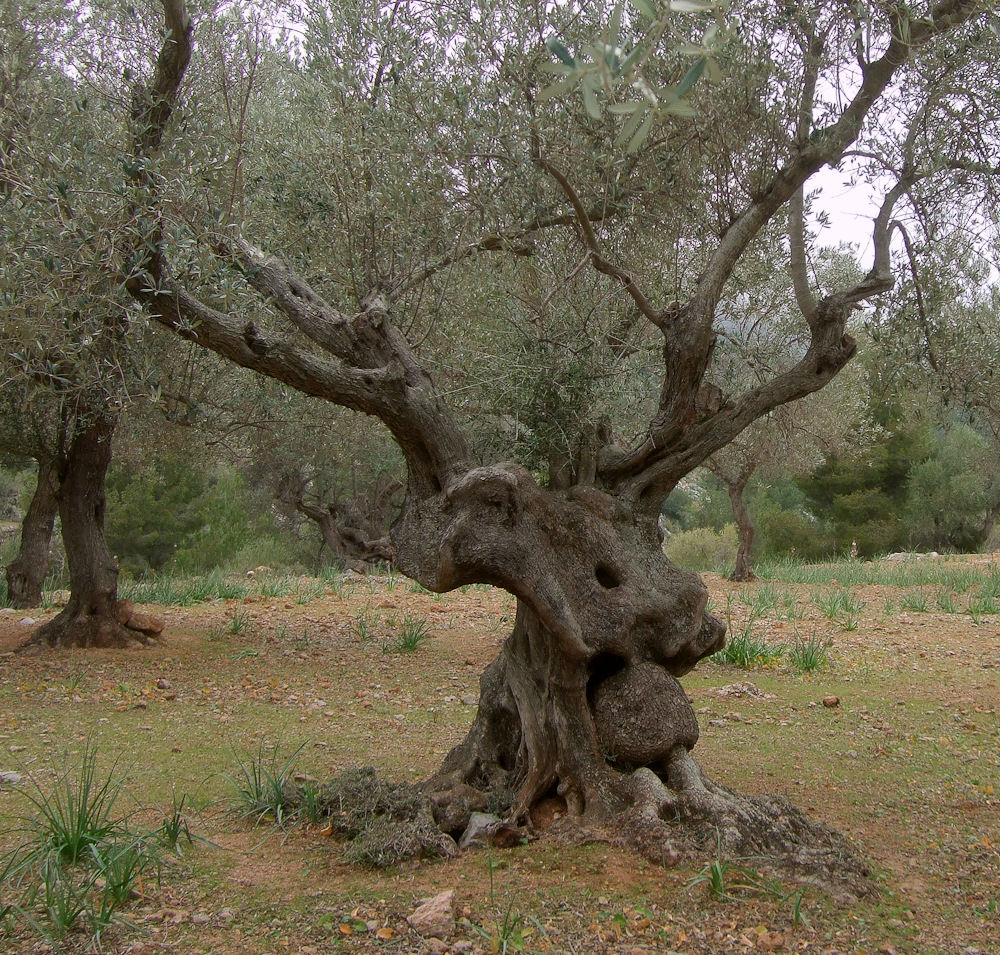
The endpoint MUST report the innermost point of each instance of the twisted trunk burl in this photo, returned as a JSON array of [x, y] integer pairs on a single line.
[[583, 702]]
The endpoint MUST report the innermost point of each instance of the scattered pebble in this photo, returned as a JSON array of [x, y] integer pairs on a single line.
[[435, 917]]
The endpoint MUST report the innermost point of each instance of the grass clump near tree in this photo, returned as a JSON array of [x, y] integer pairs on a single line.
[[810, 655], [261, 785], [80, 862]]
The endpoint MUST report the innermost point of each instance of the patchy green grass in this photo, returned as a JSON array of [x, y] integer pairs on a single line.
[[907, 763]]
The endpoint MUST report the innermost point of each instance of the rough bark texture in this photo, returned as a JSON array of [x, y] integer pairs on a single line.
[[745, 532], [92, 617], [583, 703], [26, 573]]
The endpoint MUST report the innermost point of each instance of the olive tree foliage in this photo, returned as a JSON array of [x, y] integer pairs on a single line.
[[953, 495], [940, 335], [413, 176]]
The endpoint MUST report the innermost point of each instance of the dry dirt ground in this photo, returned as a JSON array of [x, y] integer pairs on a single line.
[[907, 764]]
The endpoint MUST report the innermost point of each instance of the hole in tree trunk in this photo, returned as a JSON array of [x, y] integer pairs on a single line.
[[549, 807], [603, 667], [607, 576]]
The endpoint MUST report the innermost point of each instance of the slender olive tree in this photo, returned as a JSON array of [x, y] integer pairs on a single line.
[[443, 154], [62, 371], [758, 338]]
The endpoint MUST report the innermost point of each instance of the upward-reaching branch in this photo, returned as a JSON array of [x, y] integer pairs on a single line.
[[825, 146], [154, 103], [690, 423], [796, 206], [597, 258]]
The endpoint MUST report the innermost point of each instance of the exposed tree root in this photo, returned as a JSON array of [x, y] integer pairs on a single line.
[[683, 815], [97, 626], [697, 815]]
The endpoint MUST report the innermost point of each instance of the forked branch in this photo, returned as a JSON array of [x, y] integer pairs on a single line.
[[685, 431], [589, 238]]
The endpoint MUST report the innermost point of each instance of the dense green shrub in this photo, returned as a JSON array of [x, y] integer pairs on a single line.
[[951, 493], [782, 533], [172, 516], [862, 496], [154, 512]]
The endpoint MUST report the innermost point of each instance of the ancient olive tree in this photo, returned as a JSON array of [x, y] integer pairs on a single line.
[[443, 156]]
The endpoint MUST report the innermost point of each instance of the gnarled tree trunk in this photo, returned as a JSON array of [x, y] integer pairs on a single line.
[[603, 620], [26, 573], [583, 703], [94, 616]]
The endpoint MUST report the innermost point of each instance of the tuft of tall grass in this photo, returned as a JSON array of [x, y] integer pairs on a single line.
[[928, 572], [79, 861], [413, 631], [309, 590], [241, 623], [79, 812], [723, 878], [744, 648], [748, 651], [981, 605], [183, 591], [259, 784], [916, 601], [841, 607], [945, 599], [365, 624], [808, 656], [762, 599]]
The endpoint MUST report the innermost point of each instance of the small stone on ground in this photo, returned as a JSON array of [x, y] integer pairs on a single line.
[[435, 917]]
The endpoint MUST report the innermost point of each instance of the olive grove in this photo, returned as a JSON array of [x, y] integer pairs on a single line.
[[511, 233]]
